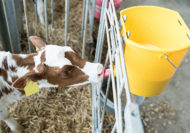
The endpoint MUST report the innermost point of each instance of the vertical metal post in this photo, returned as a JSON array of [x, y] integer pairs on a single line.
[[67, 6], [84, 30], [46, 19], [105, 101], [7, 23], [83, 17], [35, 8], [27, 28], [101, 33], [10, 25], [52, 14], [94, 111], [92, 20], [96, 124]]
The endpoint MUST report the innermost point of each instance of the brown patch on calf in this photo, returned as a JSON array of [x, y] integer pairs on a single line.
[[14, 78], [43, 58], [13, 69], [4, 74], [5, 77], [66, 76], [75, 59], [5, 91], [28, 61], [5, 64]]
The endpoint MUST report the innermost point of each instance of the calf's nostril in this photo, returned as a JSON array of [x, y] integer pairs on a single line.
[[99, 75], [100, 70]]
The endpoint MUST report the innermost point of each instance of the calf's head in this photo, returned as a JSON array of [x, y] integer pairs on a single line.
[[58, 66]]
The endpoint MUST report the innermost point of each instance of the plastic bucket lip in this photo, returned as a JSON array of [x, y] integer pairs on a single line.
[[130, 42], [133, 43]]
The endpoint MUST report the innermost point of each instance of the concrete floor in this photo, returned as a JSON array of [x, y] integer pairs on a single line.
[[178, 91]]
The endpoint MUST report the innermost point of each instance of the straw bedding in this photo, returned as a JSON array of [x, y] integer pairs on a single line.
[[65, 110]]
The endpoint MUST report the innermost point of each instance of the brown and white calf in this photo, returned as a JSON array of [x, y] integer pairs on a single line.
[[53, 66]]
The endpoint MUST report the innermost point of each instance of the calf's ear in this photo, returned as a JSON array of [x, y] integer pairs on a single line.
[[20, 83], [38, 42]]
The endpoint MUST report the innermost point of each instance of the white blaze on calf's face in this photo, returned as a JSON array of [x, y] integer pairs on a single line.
[[94, 71]]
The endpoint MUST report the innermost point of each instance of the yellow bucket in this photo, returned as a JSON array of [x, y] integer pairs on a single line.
[[155, 47]]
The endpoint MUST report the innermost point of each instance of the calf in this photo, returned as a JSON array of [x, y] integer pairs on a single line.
[[53, 66]]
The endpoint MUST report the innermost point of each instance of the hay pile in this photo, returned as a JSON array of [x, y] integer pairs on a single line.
[[63, 110]]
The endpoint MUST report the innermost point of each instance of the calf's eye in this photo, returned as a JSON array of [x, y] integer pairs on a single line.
[[67, 71]]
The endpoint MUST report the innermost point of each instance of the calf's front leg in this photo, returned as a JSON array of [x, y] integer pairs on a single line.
[[11, 123]]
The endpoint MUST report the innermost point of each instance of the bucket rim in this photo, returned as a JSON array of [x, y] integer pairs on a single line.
[[130, 42], [133, 43], [147, 6]]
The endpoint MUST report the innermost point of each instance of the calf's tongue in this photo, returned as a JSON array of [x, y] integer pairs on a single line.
[[106, 73]]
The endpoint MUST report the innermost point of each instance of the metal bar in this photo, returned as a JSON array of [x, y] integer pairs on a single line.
[[120, 128], [46, 19], [101, 32], [119, 122], [105, 100], [127, 90], [122, 87], [83, 17], [94, 109], [17, 20], [7, 23], [99, 104], [10, 30], [84, 30], [18, 11], [114, 128], [112, 76], [92, 20], [36, 13], [52, 13], [27, 27], [102, 43], [67, 6]]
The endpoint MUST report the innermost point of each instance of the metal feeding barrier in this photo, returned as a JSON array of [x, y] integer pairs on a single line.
[[127, 119], [11, 41], [88, 8], [46, 18], [10, 25]]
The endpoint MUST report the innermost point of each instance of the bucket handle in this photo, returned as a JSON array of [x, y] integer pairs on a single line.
[[166, 56]]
